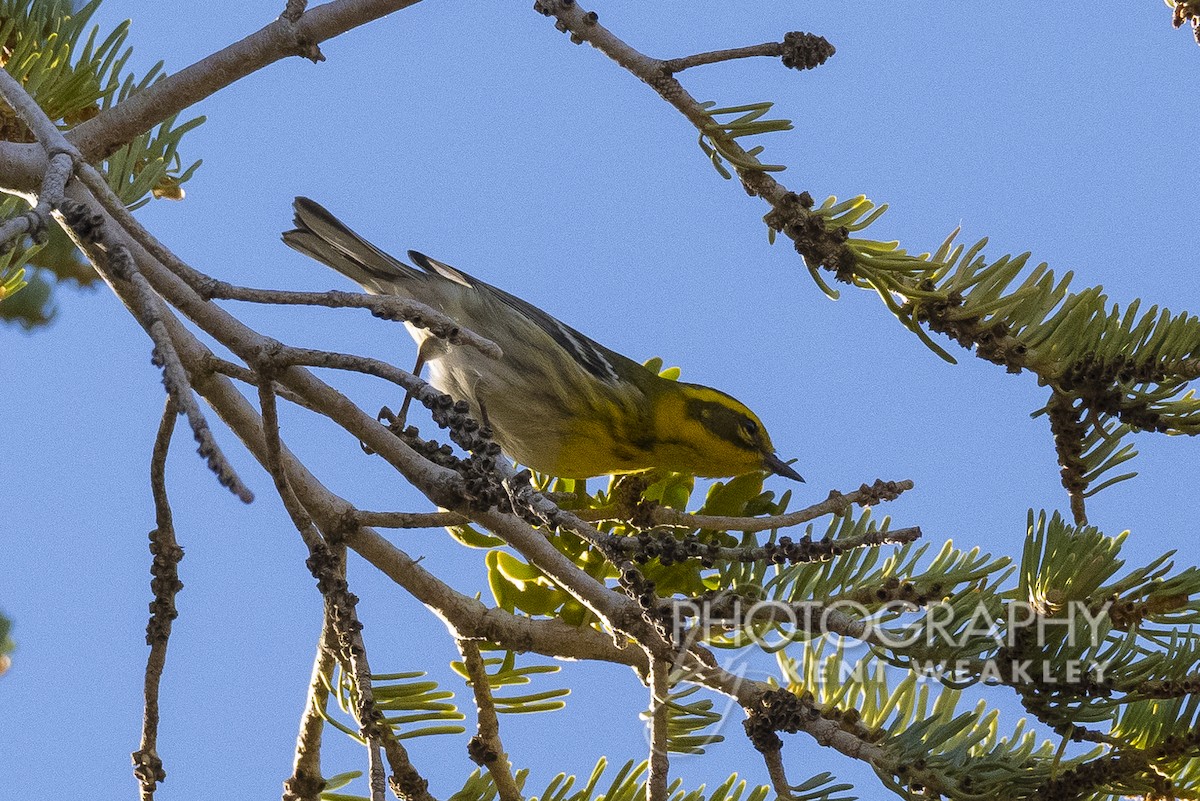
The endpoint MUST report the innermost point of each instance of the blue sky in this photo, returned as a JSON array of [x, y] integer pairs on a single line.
[[485, 139]]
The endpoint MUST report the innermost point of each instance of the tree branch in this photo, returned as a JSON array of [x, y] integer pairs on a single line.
[[660, 691], [306, 782], [165, 584], [486, 748], [100, 136]]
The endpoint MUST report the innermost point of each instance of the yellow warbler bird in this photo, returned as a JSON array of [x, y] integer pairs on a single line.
[[557, 401]]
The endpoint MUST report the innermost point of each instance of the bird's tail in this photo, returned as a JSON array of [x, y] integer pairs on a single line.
[[320, 235]]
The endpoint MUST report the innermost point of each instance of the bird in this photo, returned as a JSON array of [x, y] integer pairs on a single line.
[[557, 401]]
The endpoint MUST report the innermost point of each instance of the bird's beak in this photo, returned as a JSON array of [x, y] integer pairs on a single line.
[[781, 468]]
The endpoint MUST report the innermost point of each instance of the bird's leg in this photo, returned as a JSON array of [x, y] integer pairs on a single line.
[[403, 415], [395, 422], [483, 417]]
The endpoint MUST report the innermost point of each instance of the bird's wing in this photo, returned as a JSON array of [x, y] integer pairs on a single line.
[[593, 357]]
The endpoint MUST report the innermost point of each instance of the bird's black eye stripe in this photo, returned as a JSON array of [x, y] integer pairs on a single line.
[[728, 424]]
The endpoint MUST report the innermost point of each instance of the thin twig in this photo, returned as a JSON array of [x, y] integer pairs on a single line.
[[439, 484], [411, 519], [165, 584], [470, 618], [271, 438], [660, 690], [385, 306], [673, 65], [670, 548], [103, 194], [486, 749], [836, 503], [306, 783], [826, 727], [388, 307], [121, 272], [248, 376], [775, 770]]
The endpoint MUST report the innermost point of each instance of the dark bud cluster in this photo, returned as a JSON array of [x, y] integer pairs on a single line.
[[324, 566], [784, 711], [480, 753], [483, 485], [664, 545], [640, 589], [302, 785], [1127, 613], [434, 451], [1069, 431], [993, 343], [1099, 382], [1170, 688], [148, 768], [990, 340], [478, 470], [775, 711], [819, 246], [1045, 697], [165, 584], [407, 783], [788, 551], [87, 226], [892, 589], [549, 8], [671, 548], [805, 51], [1091, 370], [880, 491], [1079, 781]]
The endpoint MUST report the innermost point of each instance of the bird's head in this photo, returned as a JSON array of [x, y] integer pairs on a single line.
[[713, 434]]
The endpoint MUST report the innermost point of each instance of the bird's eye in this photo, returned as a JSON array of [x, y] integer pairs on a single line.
[[750, 428]]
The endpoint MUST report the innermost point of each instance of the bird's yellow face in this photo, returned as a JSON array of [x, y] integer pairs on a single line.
[[705, 432]]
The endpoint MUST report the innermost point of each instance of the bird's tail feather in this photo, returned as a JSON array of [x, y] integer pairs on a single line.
[[320, 235]]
